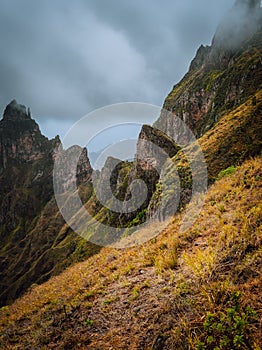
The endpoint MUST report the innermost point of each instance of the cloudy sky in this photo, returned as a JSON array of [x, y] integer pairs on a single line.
[[66, 58]]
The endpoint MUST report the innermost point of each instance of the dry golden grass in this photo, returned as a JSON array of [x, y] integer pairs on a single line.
[[157, 293], [235, 136]]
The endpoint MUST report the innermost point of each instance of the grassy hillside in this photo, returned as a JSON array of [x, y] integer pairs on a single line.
[[195, 290], [220, 98]]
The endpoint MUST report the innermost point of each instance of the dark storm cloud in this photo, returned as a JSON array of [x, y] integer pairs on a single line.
[[64, 58]]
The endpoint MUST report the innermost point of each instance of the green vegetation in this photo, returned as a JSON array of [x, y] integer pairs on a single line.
[[199, 289], [139, 219], [229, 329], [206, 93], [195, 289], [226, 172]]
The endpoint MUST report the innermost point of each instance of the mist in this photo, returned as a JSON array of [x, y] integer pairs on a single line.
[[64, 59]]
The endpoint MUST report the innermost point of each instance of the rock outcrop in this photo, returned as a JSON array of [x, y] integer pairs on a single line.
[[21, 139], [35, 243], [219, 100], [221, 76], [154, 148]]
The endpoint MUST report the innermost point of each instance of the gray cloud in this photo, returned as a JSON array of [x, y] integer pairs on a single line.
[[65, 58]]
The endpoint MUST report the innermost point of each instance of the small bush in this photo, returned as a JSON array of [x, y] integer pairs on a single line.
[[229, 329], [89, 322], [226, 172]]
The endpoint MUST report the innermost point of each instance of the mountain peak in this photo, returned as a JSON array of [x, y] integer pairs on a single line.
[[15, 111], [20, 136], [242, 21]]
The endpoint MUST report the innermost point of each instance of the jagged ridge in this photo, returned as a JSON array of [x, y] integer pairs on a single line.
[[35, 242]]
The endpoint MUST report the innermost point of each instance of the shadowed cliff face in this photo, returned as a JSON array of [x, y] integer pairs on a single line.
[[34, 240], [26, 160], [20, 137], [220, 91]]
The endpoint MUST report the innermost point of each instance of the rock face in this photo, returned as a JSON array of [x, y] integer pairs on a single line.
[[15, 112], [34, 244], [21, 139], [221, 76], [219, 99], [109, 179], [25, 160], [111, 185], [68, 174], [154, 148]]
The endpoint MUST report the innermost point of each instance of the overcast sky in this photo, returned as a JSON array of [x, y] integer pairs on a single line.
[[65, 58]]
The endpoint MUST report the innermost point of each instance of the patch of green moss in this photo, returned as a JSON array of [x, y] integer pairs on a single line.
[[227, 172]]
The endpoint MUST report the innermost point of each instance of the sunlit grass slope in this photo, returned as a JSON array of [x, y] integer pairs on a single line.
[[196, 290]]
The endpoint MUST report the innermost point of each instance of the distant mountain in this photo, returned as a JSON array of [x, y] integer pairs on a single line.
[[34, 240], [220, 101]]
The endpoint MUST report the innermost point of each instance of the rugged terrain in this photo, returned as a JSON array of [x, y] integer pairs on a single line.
[[197, 289], [164, 294], [35, 244]]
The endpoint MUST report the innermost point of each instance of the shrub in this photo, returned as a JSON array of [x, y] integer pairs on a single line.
[[226, 172], [228, 329], [89, 322]]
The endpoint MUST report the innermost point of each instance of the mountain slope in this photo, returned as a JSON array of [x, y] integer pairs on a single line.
[[34, 244], [235, 137], [179, 291], [224, 79], [159, 296], [221, 76]]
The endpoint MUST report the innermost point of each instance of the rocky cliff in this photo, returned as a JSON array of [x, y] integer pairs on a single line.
[[21, 139], [35, 242], [154, 148], [219, 100], [221, 76], [221, 80]]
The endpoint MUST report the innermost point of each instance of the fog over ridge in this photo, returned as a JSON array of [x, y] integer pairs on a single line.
[[64, 59]]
